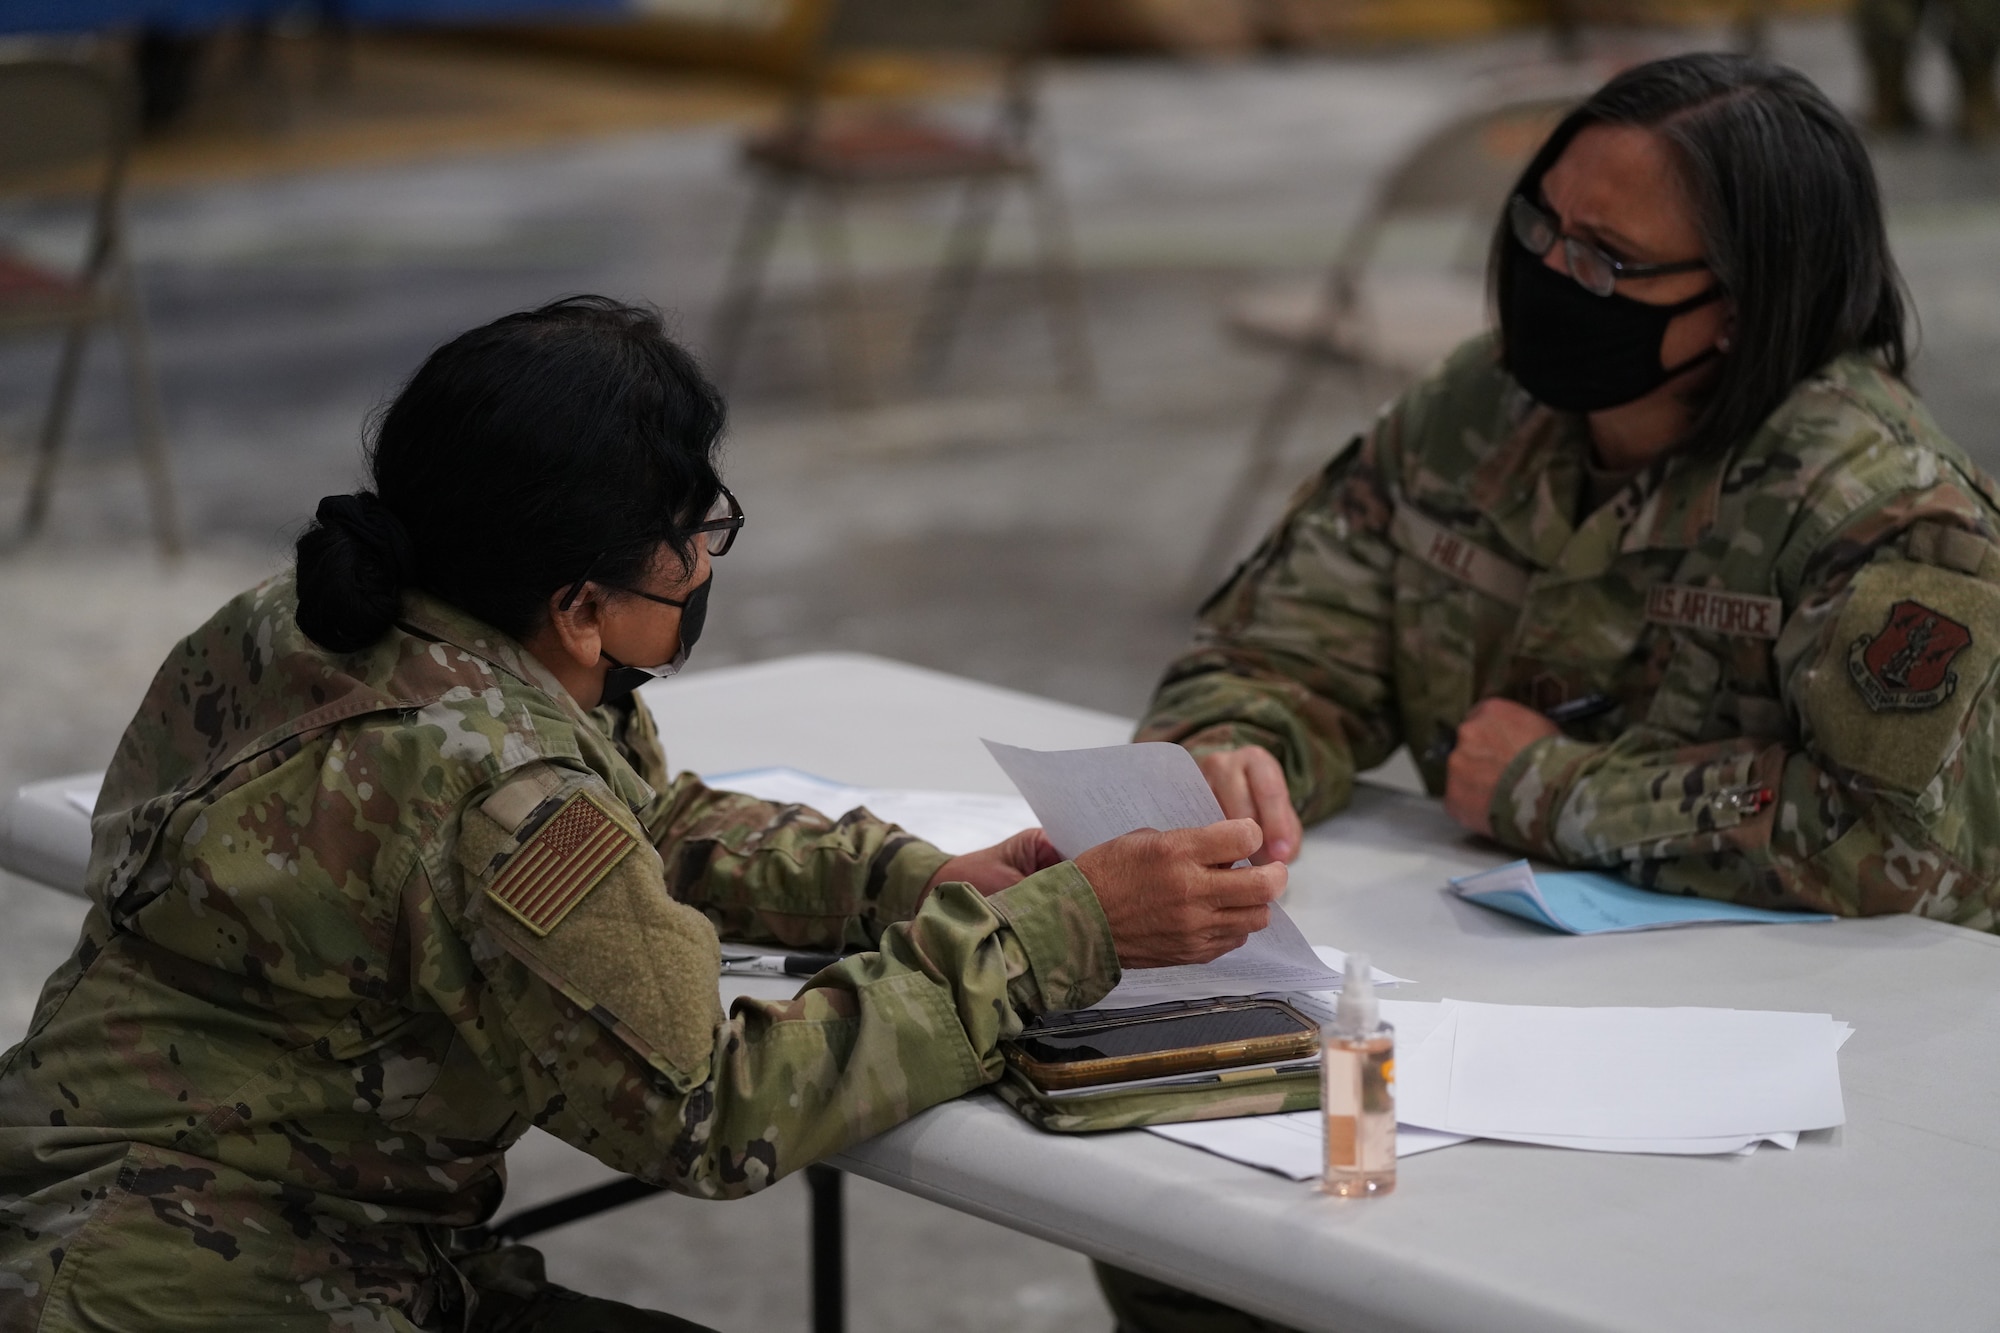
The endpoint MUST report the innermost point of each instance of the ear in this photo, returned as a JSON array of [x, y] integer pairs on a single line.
[[578, 630]]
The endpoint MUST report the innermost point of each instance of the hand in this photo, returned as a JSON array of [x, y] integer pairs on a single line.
[[1172, 898], [991, 869], [1249, 783], [1493, 733]]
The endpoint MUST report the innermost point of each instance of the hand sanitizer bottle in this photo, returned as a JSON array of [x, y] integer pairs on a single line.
[[1357, 1091]]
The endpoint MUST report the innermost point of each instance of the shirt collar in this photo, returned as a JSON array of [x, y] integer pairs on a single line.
[[434, 618]]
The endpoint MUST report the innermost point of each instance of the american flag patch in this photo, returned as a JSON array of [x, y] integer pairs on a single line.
[[570, 854]]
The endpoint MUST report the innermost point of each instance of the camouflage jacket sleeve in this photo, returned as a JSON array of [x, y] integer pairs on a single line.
[[783, 874], [598, 1005], [1293, 653], [1880, 799]]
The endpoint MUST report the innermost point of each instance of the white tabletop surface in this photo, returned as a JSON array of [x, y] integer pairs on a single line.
[[1892, 1222]]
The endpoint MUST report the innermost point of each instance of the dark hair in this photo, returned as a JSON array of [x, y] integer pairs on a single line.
[[570, 440], [1789, 214]]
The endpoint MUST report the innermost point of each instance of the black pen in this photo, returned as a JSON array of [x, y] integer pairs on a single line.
[[778, 965], [1580, 709]]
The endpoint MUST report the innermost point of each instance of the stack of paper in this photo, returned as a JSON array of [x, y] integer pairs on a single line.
[[1584, 902], [1677, 1081], [1624, 1080]]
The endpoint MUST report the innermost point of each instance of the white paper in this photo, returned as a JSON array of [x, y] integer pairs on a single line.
[[1336, 962], [1622, 1073], [1290, 1144], [83, 796], [1087, 797], [952, 821]]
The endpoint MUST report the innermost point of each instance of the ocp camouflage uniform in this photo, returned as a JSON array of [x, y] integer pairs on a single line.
[[1800, 633], [359, 921]]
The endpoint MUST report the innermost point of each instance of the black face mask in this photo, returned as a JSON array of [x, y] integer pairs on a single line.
[[1578, 352], [621, 680]]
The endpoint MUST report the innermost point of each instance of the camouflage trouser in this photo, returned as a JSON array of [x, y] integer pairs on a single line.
[[1142, 1305], [513, 1294]]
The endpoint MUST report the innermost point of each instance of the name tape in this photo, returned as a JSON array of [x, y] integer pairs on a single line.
[[1453, 555], [1715, 611]]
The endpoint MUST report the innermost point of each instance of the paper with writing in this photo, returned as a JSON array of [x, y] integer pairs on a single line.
[[1087, 797]]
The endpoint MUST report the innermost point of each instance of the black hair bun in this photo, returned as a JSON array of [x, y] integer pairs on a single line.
[[353, 564]]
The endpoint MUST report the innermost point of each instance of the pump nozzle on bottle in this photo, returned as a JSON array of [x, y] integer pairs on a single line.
[[1357, 1013]]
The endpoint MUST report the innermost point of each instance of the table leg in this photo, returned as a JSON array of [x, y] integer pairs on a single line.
[[829, 1245]]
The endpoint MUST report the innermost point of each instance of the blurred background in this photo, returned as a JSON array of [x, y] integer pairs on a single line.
[[1029, 315]]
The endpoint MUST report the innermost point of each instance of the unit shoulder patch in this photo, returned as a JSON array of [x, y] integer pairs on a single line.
[[1907, 663], [569, 855]]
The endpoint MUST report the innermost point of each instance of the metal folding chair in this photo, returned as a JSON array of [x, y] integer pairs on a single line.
[[830, 153], [58, 117], [1460, 171]]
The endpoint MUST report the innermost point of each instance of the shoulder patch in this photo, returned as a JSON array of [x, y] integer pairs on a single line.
[[568, 856], [1912, 653], [1907, 663]]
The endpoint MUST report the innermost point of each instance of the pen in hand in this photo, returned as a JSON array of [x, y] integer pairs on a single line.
[[1580, 709]]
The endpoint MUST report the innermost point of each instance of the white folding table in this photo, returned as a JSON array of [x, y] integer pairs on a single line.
[[1892, 1222]]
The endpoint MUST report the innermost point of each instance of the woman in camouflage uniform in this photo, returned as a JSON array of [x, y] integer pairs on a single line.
[[1687, 498], [389, 867]]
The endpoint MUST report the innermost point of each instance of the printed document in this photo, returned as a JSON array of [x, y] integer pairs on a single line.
[[1087, 797]]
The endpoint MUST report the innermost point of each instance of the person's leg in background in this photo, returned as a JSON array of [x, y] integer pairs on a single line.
[[1972, 38], [1887, 31]]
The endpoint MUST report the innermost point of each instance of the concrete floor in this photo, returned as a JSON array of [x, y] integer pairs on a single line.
[[992, 527]]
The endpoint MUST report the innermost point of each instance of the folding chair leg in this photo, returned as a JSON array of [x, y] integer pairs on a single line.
[[146, 424], [1062, 288], [55, 426], [839, 301], [944, 305], [829, 1250], [1281, 413], [745, 279]]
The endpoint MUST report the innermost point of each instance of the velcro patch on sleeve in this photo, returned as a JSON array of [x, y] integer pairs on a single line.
[[568, 856], [1911, 654]]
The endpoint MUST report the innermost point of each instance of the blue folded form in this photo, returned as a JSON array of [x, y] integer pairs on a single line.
[[1584, 902]]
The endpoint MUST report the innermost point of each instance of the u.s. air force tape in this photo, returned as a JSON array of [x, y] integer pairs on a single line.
[[1715, 611], [1454, 556]]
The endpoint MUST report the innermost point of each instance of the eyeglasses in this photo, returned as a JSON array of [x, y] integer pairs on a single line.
[[1593, 270], [724, 521]]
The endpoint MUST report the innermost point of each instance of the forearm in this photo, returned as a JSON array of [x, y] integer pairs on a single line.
[[869, 1043], [787, 874], [1216, 700], [1741, 820], [1294, 654]]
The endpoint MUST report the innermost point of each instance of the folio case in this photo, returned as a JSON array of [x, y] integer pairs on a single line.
[[1132, 1107], [1239, 1091]]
